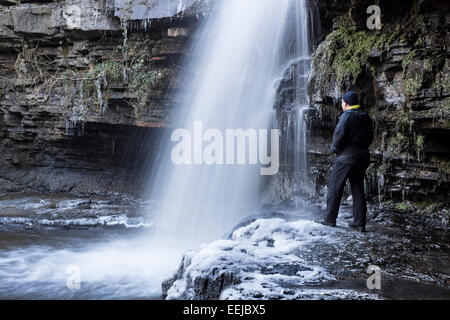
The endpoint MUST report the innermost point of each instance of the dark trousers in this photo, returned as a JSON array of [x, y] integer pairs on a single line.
[[355, 173]]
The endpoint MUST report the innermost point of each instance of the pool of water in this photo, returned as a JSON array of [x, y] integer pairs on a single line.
[[60, 247], [49, 244]]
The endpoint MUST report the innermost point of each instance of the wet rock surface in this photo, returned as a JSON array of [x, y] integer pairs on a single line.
[[71, 119], [43, 237], [63, 211], [399, 72], [285, 259], [278, 254], [157, 9]]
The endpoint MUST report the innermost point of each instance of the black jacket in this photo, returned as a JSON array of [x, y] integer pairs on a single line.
[[353, 136]]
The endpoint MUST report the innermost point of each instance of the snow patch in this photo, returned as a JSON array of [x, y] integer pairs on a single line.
[[259, 260], [117, 220]]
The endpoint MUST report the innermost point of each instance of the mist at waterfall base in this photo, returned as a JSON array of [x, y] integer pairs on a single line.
[[239, 55]]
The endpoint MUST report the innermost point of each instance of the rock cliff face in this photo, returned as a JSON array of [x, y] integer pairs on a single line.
[[402, 74], [84, 83]]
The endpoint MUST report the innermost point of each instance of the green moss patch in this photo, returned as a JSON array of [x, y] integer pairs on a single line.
[[130, 66], [346, 50]]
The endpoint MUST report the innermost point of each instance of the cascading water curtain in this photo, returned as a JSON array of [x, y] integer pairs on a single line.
[[239, 52], [292, 104]]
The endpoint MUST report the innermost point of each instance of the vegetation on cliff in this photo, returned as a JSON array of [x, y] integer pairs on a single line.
[[402, 74], [88, 89], [347, 48]]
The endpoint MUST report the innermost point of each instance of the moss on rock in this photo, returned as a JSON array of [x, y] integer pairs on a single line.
[[413, 85], [345, 52]]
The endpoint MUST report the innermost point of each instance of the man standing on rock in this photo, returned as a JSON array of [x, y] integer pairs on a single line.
[[351, 140]]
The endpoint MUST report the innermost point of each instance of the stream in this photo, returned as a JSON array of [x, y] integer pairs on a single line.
[[44, 239]]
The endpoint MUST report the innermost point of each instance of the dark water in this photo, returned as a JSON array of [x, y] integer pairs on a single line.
[[47, 242]]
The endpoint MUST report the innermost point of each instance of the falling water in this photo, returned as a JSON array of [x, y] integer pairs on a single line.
[[302, 50], [243, 48], [239, 56], [292, 104]]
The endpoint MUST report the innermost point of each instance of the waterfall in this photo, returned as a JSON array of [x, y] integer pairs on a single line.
[[292, 105], [241, 51]]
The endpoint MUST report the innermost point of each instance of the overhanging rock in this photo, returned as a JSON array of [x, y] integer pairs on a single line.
[[128, 10]]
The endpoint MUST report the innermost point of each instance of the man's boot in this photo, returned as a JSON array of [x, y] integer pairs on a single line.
[[357, 228], [326, 223]]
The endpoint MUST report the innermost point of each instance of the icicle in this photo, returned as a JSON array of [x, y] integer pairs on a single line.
[[124, 25], [105, 82], [95, 17], [125, 39], [81, 112], [124, 73], [380, 178], [99, 94], [81, 92]]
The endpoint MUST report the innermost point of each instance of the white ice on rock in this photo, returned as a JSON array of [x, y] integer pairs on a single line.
[[265, 257], [115, 220], [128, 10]]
